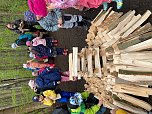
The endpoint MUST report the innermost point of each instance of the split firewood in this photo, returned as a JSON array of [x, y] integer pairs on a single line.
[[129, 108], [135, 101]]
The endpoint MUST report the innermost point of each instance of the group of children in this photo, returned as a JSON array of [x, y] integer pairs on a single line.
[[47, 14]]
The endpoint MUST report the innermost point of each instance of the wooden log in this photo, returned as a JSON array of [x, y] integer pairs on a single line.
[[75, 61], [144, 55], [140, 46], [129, 107], [132, 22], [102, 18], [146, 28], [135, 78], [121, 81], [109, 20], [132, 68], [79, 69], [70, 66], [123, 23], [89, 61], [97, 62], [83, 61], [145, 64], [142, 30], [97, 17], [132, 89], [137, 24], [135, 101], [115, 23]]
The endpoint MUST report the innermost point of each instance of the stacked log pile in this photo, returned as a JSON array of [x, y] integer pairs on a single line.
[[117, 64]]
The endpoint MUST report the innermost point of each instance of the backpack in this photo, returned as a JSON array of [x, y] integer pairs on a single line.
[[29, 16]]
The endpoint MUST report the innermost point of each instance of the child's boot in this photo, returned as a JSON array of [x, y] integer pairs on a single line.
[[105, 6], [119, 3]]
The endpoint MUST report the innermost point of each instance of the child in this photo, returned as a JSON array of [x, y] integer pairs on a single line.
[[37, 65], [47, 72], [22, 39], [45, 42], [89, 104], [45, 82], [20, 26], [55, 20], [80, 4], [44, 52], [49, 97]]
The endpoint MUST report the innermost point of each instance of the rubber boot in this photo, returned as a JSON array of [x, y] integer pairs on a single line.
[[105, 6], [119, 3]]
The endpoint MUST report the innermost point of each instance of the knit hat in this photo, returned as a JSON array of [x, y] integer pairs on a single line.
[[14, 45], [32, 84], [75, 101], [120, 111], [28, 43], [35, 98]]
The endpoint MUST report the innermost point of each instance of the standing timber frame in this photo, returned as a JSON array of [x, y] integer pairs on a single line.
[[126, 70]]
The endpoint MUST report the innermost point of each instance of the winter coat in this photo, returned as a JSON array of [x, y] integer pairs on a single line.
[[38, 7], [83, 109], [50, 22], [92, 3], [27, 25], [22, 39], [42, 51], [34, 65], [63, 4], [48, 79]]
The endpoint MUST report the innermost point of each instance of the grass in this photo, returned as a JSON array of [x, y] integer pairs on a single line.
[[11, 60]]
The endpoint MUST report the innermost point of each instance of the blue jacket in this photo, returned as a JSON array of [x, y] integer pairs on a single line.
[[48, 80], [51, 74], [42, 51], [22, 39], [65, 96], [50, 22]]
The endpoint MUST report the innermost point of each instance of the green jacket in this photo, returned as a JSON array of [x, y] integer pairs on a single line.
[[82, 108]]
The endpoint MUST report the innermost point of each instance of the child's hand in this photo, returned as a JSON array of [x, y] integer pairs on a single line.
[[50, 6], [60, 21], [60, 25], [100, 102]]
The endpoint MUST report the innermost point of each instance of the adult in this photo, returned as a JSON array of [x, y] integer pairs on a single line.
[[55, 20], [20, 26], [22, 39], [49, 97], [46, 82]]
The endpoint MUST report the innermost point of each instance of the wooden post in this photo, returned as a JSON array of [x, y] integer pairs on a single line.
[[75, 61], [70, 67], [97, 62], [89, 61]]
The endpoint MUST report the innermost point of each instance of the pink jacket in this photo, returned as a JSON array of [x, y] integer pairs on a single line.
[[92, 3], [63, 4], [38, 7], [37, 41]]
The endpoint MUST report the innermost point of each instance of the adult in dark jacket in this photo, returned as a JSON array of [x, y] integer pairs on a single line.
[[42, 51], [20, 26], [45, 82], [22, 39]]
